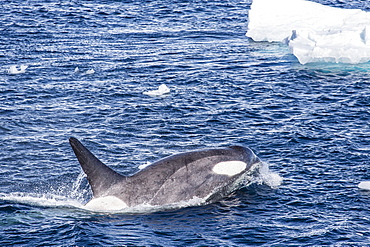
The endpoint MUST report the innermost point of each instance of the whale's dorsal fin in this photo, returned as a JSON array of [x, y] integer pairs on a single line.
[[100, 176]]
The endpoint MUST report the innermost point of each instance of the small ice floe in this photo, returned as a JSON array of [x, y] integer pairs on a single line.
[[162, 90], [88, 72], [365, 185], [13, 70]]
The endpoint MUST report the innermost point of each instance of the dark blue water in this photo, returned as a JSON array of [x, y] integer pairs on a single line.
[[309, 123]]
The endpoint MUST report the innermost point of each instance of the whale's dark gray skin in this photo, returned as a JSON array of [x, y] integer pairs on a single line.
[[207, 174]]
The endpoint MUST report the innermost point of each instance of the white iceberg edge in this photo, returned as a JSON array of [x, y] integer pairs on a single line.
[[313, 32]]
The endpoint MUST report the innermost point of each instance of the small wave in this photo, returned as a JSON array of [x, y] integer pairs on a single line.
[[56, 201]]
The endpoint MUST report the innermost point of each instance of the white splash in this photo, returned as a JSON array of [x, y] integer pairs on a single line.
[[13, 70], [48, 200], [313, 32], [76, 185], [162, 90], [267, 177], [70, 197]]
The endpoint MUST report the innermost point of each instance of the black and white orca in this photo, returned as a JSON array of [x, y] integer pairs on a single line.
[[209, 175]]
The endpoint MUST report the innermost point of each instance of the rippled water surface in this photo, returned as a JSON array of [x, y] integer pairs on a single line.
[[309, 123]]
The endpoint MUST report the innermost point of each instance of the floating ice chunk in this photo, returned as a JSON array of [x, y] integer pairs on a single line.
[[162, 89], [314, 32], [90, 72], [13, 70], [365, 185]]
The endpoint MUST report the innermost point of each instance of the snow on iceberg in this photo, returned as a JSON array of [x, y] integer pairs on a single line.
[[313, 32]]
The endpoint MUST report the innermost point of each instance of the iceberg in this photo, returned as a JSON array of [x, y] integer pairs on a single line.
[[313, 32]]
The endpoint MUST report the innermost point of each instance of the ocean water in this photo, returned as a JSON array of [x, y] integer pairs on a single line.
[[310, 124]]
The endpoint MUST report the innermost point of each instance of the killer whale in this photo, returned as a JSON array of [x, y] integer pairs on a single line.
[[206, 174]]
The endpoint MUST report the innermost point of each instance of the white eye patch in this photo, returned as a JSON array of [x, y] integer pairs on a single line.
[[229, 168]]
